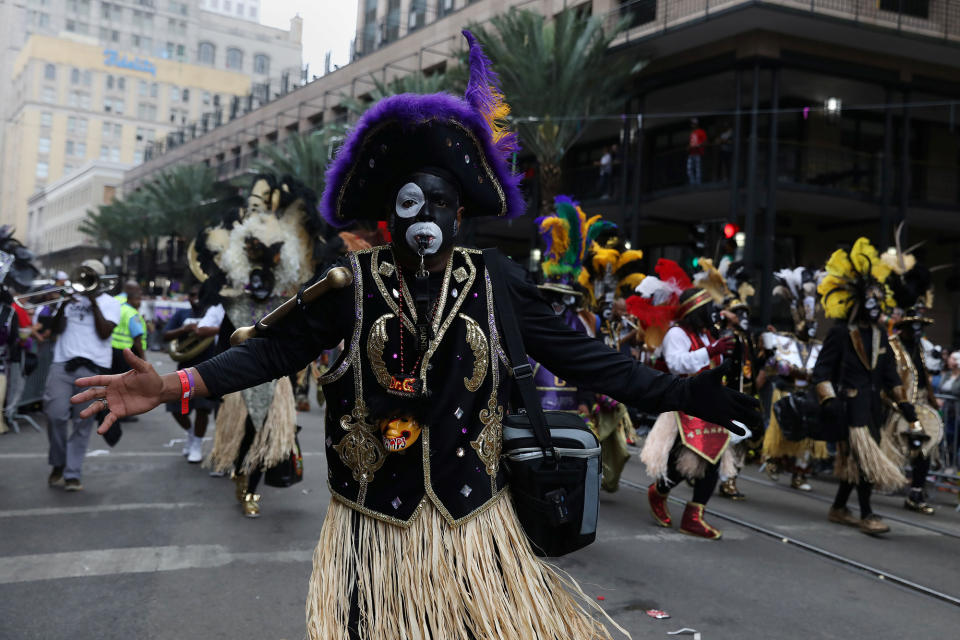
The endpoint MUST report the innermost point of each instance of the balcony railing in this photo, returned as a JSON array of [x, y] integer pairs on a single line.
[[825, 169], [933, 18]]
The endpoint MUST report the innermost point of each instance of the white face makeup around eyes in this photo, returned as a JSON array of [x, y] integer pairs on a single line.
[[410, 200], [430, 232]]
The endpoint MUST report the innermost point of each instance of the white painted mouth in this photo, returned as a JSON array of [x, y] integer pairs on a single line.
[[428, 233]]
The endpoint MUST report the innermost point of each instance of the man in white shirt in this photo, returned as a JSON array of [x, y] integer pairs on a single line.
[[84, 326], [204, 324]]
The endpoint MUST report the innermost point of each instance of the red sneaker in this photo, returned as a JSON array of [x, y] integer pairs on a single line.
[[693, 523], [658, 506]]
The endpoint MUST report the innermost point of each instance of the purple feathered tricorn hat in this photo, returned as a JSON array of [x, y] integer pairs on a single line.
[[466, 137]]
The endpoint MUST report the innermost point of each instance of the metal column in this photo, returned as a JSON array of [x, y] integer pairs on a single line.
[[735, 161], [770, 217], [750, 227]]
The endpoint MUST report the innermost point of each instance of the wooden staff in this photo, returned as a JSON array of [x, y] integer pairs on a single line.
[[336, 278]]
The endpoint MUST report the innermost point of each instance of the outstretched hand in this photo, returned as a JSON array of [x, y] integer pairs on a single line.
[[710, 400], [136, 391]]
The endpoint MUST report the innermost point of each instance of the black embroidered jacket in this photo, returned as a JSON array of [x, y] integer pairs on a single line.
[[455, 461]]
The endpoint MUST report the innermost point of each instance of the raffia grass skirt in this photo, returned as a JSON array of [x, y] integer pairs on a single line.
[[776, 446], [862, 457], [431, 581], [273, 442]]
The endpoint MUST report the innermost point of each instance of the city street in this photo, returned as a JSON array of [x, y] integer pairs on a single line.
[[156, 548]]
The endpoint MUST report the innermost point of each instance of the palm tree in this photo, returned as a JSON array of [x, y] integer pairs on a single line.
[[181, 201], [303, 156], [121, 226], [556, 74]]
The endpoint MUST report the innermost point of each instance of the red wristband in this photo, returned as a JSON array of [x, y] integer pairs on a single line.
[[184, 392]]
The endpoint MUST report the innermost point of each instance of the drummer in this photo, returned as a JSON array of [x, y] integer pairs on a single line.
[[202, 320]]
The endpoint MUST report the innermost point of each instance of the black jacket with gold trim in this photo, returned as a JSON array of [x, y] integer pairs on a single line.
[[455, 461], [855, 365]]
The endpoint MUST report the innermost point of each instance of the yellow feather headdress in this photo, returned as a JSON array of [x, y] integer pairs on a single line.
[[849, 276]]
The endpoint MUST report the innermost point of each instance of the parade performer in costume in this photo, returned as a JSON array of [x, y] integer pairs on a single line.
[[793, 353], [854, 366], [420, 536], [734, 322], [681, 446], [193, 333], [260, 254], [609, 271], [912, 287], [565, 239]]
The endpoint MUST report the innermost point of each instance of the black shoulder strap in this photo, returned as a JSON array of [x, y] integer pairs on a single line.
[[510, 333]]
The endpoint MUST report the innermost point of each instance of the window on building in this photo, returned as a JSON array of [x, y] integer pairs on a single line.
[[444, 7], [109, 81], [49, 72], [147, 43], [108, 104], [43, 145], [138, 156], [174, 94], [50, 95], [43, 169], [117, 130], [104, 152], [154, 89], [206, 97], [75, 76], [234, 59], [393, 21], [81, 127], [87, 78], [104, 34], [114, 36], [181, 52], [118, 106], [81, 149], [146, 111], [227, 5], [43, 19], [71, 26], [46, 119], [105, 10], [261, 64], [71, 124], [142, 88], [253, 13], [418, 14], [205, 53], [121, 83], [168, 51], [115, 154], [240, 8], [185, 95], [70, 149]]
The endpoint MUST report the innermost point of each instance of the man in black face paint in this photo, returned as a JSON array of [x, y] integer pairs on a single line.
[[854, 366], [416, 402], [915, 445]]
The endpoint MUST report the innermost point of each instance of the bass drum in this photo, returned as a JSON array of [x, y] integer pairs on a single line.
[[930, 422]]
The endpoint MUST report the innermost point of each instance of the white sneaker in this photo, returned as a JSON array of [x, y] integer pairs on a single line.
[[186, 443], [196, 450]]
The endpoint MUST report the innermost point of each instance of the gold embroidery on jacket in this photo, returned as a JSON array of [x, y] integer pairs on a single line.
[[478, 344]]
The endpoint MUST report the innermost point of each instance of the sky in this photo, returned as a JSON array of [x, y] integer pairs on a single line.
[[328, 25]]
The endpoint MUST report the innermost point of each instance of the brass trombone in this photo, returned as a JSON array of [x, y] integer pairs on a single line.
[[84, 281]]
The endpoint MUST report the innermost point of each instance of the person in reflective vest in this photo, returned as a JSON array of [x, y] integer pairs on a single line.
[[131, 331]]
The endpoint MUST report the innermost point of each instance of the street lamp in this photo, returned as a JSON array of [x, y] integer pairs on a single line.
[[832, 107]]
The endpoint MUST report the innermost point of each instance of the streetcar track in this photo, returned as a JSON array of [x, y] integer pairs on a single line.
[[880, 574], [885, 516]]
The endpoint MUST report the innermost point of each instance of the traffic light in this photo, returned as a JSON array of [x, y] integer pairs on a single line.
[[730, 230], [698, 242]]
